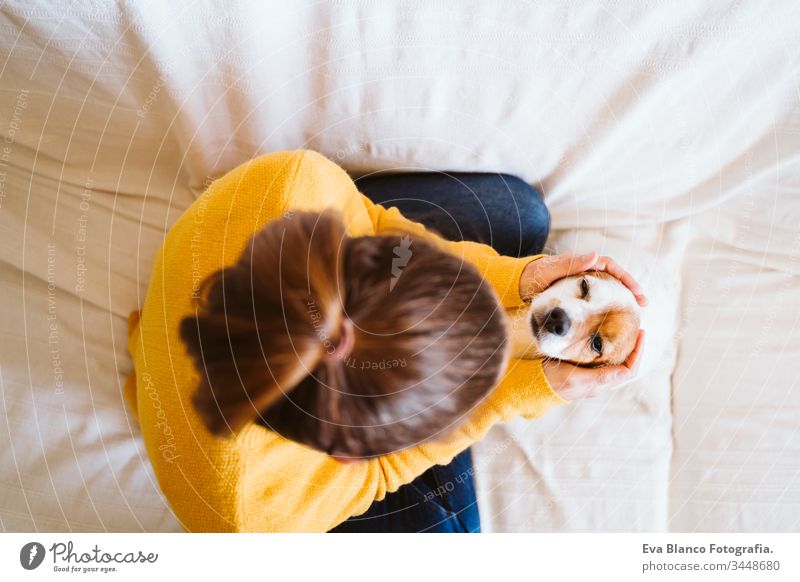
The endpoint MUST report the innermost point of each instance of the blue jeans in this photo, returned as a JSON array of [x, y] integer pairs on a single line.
[[496, 209]]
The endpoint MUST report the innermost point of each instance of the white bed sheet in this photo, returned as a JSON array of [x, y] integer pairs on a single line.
[[736, 411], [653, 131]]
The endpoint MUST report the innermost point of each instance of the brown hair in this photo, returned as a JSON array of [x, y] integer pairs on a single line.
[[428, 338]]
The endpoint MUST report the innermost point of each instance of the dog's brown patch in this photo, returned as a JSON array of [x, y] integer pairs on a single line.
[[618, 328]]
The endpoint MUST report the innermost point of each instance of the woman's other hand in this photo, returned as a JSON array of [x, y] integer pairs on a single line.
[[574, 382]]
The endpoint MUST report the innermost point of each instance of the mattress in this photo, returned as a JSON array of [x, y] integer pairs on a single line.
[[665, 136]]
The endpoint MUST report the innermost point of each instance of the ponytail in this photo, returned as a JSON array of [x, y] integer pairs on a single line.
[[325, 340], [267, 321]]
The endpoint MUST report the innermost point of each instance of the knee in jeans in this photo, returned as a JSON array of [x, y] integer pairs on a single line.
[[533, 214]]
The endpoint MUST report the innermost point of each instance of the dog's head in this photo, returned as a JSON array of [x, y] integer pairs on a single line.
[[587, 319]]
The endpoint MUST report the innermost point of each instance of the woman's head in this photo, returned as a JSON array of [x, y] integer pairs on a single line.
[[353, 346]]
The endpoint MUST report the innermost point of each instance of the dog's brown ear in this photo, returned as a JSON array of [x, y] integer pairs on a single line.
[[620, 328]]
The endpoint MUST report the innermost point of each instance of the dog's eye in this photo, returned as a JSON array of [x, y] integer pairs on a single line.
[[597, 344], [584, 288]]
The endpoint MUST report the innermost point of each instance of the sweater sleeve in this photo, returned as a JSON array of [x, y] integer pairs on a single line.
[[503, 273]]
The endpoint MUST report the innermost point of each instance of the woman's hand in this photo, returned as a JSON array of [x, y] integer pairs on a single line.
[[539, 275], [573, 382]]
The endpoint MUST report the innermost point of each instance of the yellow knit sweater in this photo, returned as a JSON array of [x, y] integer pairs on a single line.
[[257, 480]]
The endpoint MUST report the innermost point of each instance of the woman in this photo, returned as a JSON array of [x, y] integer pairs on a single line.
[[303, 352]]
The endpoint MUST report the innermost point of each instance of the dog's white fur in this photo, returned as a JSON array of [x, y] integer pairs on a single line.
[[608, 310]]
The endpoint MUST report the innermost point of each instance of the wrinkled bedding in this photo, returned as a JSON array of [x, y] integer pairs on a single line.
[[667, 136]]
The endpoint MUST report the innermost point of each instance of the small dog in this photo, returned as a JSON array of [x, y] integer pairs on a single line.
[[590, 319]]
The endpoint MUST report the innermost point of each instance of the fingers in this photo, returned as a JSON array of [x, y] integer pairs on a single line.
[[575, 382], [559, 266], [611, 267], [634, 360], [567, 264], [608, 377], [539, 275]]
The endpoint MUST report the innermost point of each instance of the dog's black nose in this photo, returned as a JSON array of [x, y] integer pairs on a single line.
[[557, 322]]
